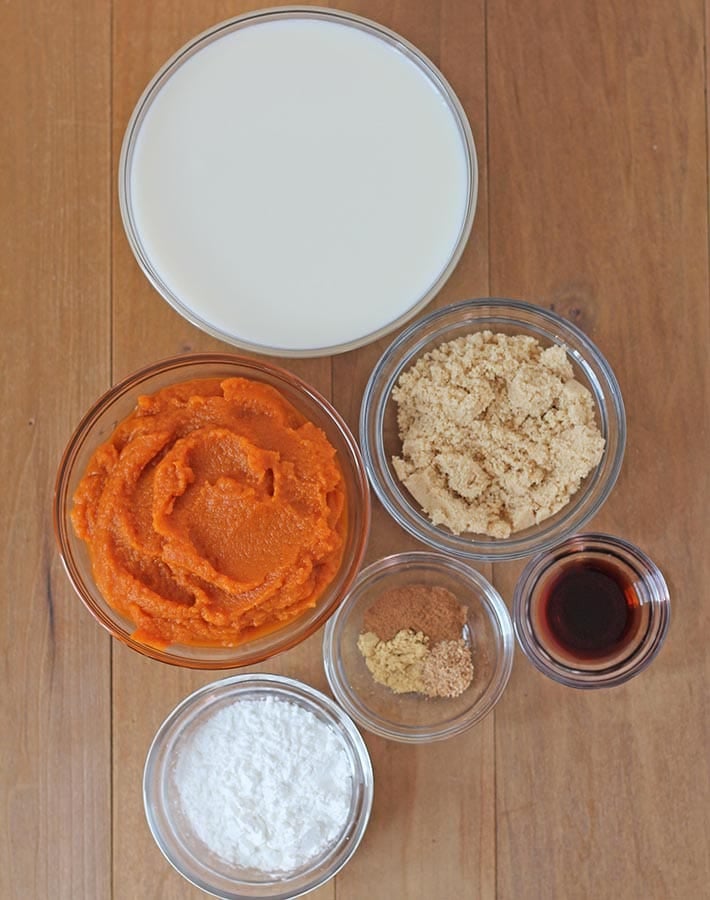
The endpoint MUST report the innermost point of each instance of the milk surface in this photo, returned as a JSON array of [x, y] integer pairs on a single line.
[[299, 183]]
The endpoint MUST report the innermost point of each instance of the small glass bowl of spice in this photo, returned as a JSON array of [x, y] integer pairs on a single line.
[[258, 786], [420, 649]]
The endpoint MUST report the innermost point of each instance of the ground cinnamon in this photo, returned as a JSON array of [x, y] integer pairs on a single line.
[[430, 609]]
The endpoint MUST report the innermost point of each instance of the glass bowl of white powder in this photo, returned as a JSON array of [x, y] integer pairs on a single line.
[[258, 786], [492, 429]]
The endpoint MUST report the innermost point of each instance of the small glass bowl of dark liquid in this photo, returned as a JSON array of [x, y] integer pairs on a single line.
[[592, 612]]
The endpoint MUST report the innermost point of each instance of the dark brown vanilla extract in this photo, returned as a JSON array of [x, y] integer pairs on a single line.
[[590, 609]]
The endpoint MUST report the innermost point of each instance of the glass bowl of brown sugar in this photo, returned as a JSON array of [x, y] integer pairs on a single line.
[[420, 649], [492, 429]]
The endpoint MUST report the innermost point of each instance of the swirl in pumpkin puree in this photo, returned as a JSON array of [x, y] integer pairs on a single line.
[[213, 515]]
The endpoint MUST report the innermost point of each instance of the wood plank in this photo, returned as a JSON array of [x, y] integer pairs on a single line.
[[145, 35], [597, 127], [54, 298]]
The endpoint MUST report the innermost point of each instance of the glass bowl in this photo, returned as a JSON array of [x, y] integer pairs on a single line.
[[380, 441], [367, 210], [116, 404], [171, 828], [413, 718], [618, 620]]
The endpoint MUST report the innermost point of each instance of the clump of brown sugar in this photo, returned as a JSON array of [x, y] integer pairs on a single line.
[[412, 641], [496, 432]]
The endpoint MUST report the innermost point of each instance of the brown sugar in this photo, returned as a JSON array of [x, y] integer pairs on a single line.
[[430, 609], [497, 433]]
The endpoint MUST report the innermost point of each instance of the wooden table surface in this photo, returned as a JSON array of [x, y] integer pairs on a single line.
[[590, 120]]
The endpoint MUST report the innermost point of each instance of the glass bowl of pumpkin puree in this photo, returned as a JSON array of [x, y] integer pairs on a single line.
[[211, 510]]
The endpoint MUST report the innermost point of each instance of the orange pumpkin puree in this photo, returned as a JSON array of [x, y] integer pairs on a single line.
[[213, 515]]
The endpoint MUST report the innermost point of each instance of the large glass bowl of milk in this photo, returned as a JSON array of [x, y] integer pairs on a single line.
[[298, 181]]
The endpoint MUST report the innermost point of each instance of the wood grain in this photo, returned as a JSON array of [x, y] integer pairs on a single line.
[[55, 752], [605, 220], [590, 121]]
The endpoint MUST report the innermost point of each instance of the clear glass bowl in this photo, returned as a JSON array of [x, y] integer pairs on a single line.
[[172, 832], [651, 618], [412, 718], [379, 437], [116, 404], [226, 326]]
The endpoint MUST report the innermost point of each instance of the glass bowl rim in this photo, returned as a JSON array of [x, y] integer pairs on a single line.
[[485, 593], [131, 384], [411, 52], [483, 313], [292, 690]]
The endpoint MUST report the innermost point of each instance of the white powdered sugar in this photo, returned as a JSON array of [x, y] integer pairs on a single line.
[[264, 784]]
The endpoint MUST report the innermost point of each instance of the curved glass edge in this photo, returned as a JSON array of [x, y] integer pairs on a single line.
[[625, 669], [420, 734], [291, 689], [233, 24], [411, 343]]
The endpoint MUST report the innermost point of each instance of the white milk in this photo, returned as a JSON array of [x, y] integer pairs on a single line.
[[299, 184]]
